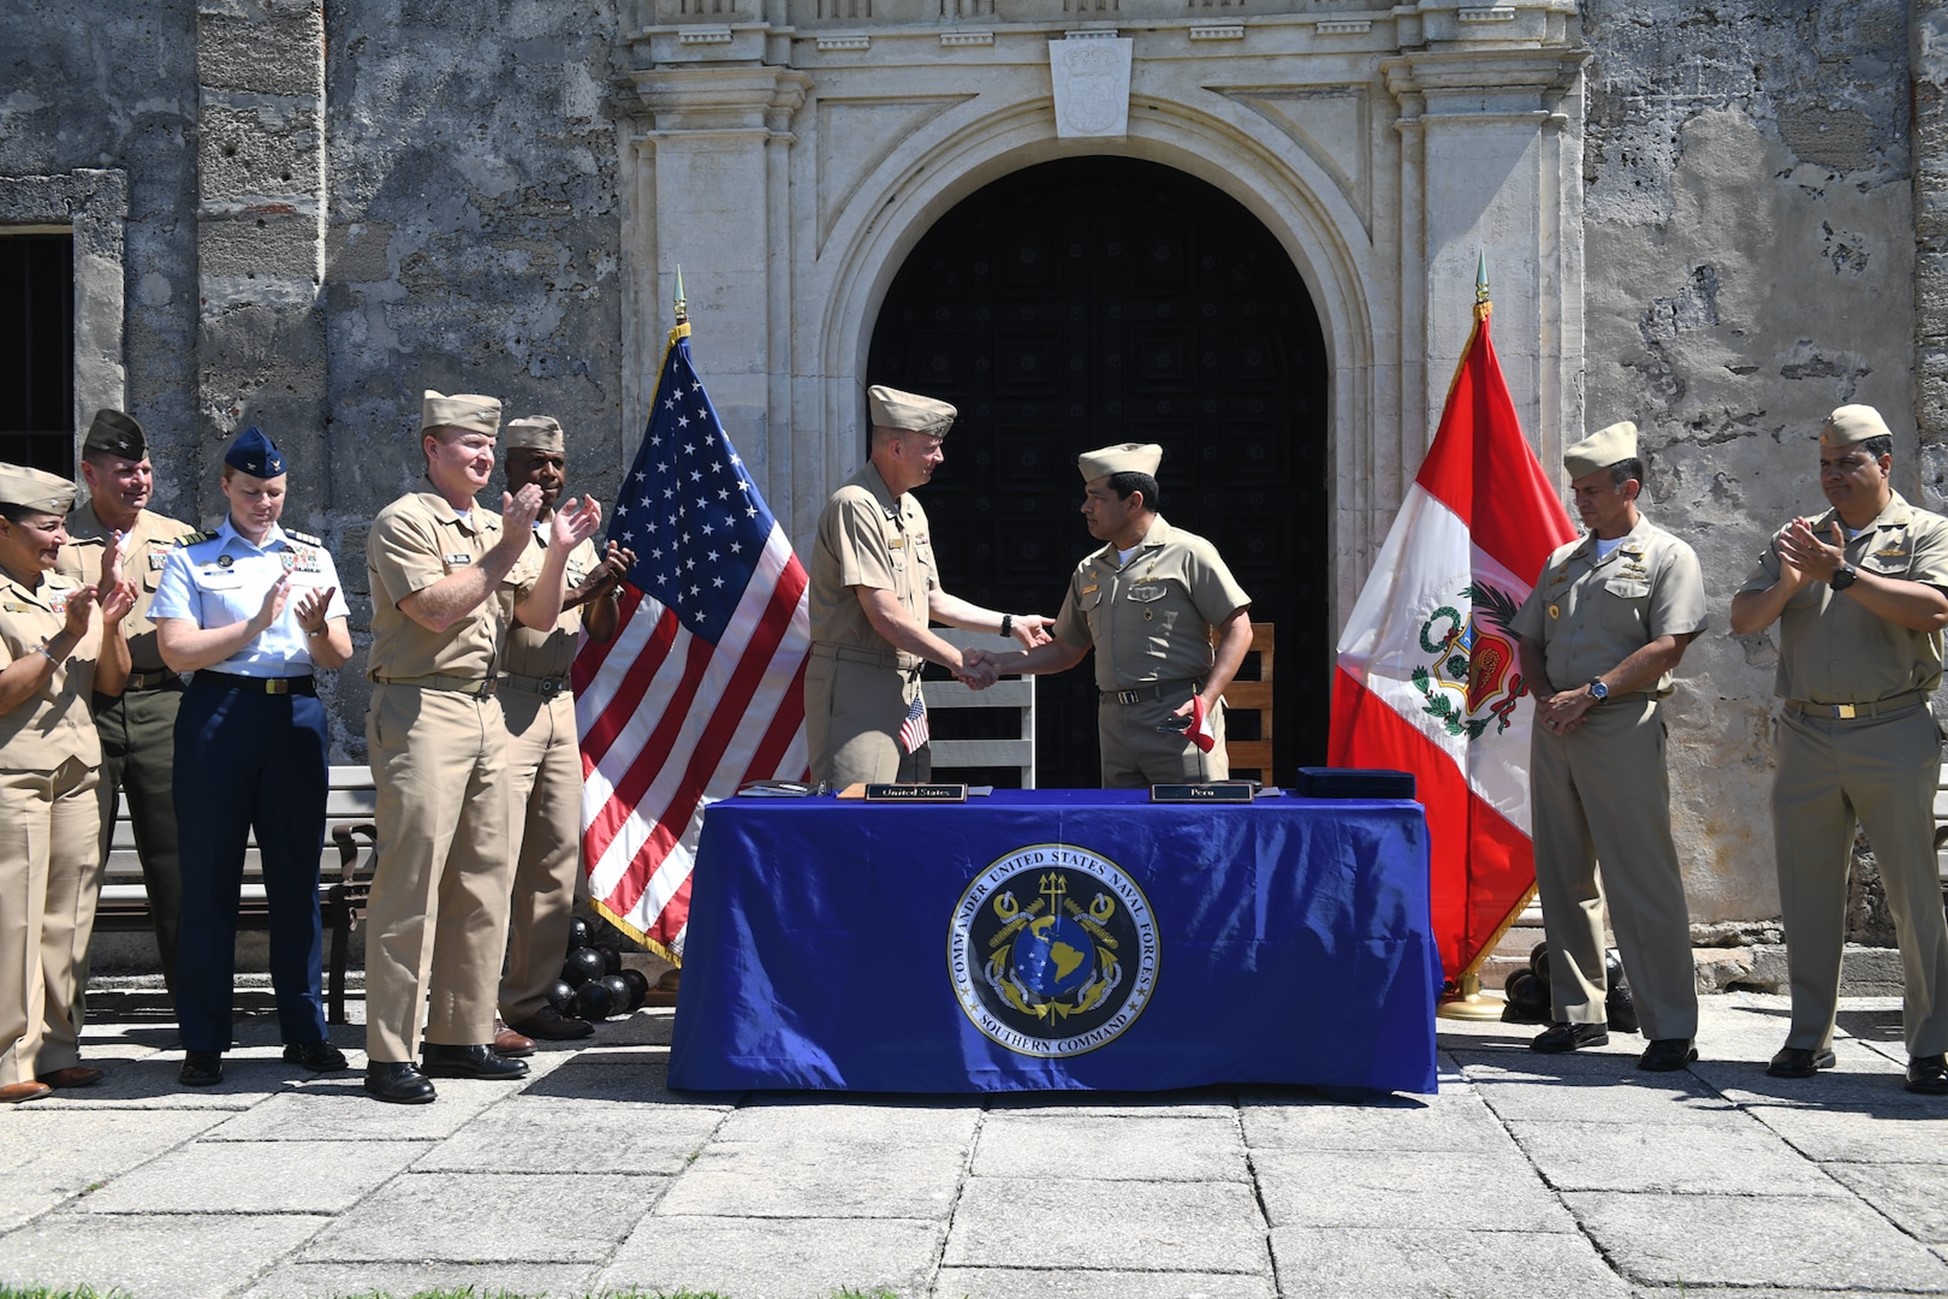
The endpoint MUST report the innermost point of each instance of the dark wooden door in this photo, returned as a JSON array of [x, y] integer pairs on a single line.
[[1079, 303]]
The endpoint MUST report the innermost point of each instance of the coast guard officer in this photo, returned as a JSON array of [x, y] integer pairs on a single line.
[[545, 756], [1861, 597], [1150, 603], [137, 727], [1601, 633], [252, 609], [446, 578]]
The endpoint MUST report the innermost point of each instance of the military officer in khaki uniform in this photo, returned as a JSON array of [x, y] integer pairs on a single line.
[[1151, 603], [60, 645], [138, 729], [544, 754], [874, 588], [1861, 596], [446, 579], [1601, 634]]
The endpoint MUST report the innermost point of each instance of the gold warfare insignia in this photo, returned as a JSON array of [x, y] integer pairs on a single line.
[[1053, 951], [1555, 611]]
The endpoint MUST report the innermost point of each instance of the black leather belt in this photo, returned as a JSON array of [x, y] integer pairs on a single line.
[[546, 687], [151, 680], [1159, 690], [257, 685]]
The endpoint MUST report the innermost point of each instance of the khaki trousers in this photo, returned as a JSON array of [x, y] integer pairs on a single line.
[[1881, 770], [853, 713], [1137, 755], [1601, 793], [50, 879], [138, 756], [437, 922], [545, 825]]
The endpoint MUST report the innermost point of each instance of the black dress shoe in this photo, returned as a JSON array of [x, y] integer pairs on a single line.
[[1928, 1074], [318, 1057], [201, 1069], [552, 1025], [1667, 1053], [1570, 1037], [437, 1060], [399, 1084], [1800, 1062]]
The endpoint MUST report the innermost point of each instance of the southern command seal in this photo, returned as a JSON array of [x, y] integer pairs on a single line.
[[1053, 951]]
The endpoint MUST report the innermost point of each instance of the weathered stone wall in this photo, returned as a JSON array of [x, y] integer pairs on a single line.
[[472, 246], [113, 87], [1750, 251]]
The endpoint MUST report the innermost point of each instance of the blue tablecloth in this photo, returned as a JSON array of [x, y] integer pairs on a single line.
[[1058, 939]]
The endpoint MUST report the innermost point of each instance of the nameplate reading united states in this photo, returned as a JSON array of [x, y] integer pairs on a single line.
[[916, 793]]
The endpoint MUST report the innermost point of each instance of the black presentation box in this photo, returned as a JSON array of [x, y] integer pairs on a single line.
[[1353, 782]]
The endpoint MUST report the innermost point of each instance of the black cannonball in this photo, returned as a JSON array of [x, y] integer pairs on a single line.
[[619, 989], [593, 1000], [582, 965], [579, 933], [1539, 961], [1532, 994], [638, 986], [611, 960], [1621, 1008], [1613, 967], [561, 995]]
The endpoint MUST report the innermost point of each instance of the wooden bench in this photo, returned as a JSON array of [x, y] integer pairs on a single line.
[[344, 877]]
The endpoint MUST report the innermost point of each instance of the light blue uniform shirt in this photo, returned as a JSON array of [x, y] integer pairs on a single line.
[[223, 579]]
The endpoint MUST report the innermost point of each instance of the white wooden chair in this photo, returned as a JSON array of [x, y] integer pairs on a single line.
[[1013, 694]]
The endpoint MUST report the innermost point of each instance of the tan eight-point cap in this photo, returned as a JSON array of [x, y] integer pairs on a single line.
[[538, 432], [1850, 424], [1601, 449], [1123, 458], [34, 489], [909, 411]]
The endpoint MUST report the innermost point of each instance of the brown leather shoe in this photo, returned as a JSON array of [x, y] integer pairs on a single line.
[[508, 1042], [15, 1093], [75, 1075]]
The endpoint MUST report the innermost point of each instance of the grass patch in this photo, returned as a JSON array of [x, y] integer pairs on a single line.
[[58, 1292]]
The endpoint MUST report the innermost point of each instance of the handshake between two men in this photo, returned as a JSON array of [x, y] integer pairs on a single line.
[[980, 668]]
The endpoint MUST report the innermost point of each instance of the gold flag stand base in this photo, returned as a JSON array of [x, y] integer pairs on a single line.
[[1470, 1002], [663, 991]]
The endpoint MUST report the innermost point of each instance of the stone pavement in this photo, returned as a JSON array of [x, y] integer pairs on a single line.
[[1528, 1175]]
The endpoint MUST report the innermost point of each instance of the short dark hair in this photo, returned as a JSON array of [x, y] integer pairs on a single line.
[[1135, 480], [1878, 447], [15, 513], [1624, 470]]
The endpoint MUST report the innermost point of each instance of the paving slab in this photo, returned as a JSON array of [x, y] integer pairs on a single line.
[[1772, 1241], [529, 1134], [1453, 1120], [1027, 1283], [779, 1258], [1733, 1156], [638, 1077], [1385, 1188], [1531, 1088], [1913, 1196], [1138, 1147], [49, 1155], [149, 1083], [341, 1111], [162, 1256], [318, 1280], [1882, 1126], [1191, 1103], [1457, 1264], [254, 1177], [1080, 1223], [482, 1217]]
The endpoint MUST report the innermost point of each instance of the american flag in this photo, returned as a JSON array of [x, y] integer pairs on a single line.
[[702, 687], [913, 731]]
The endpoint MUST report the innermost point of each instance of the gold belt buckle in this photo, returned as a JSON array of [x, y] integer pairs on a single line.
[[276, 686], [1843, 711]]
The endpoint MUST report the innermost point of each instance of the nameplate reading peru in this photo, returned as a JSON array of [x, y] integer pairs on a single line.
[[1236, 791], [916, 793]]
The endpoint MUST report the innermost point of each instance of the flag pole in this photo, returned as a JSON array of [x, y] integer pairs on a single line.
[[1468, 1002]]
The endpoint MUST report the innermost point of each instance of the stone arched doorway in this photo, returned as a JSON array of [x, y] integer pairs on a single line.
[[1102, 299]]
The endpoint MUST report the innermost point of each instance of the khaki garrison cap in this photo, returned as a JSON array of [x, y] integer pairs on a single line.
[[1123, 458], [32, 489], [537, 432], [909, 412], [463, 410], [113, 433], [1851, 424], [1601, 449]]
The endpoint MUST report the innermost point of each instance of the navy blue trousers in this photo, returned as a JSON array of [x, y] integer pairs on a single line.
[[245, 761]]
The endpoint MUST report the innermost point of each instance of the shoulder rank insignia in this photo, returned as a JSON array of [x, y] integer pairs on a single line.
[[195, 538], [305, 537]]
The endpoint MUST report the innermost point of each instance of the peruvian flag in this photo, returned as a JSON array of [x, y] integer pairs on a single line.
[[1429, 680]]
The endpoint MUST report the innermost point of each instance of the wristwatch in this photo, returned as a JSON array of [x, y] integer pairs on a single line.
[[1007, 624], [1844, 577], [1598, 691]]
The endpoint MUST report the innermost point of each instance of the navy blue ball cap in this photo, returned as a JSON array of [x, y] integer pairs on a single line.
[[255, 454]]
